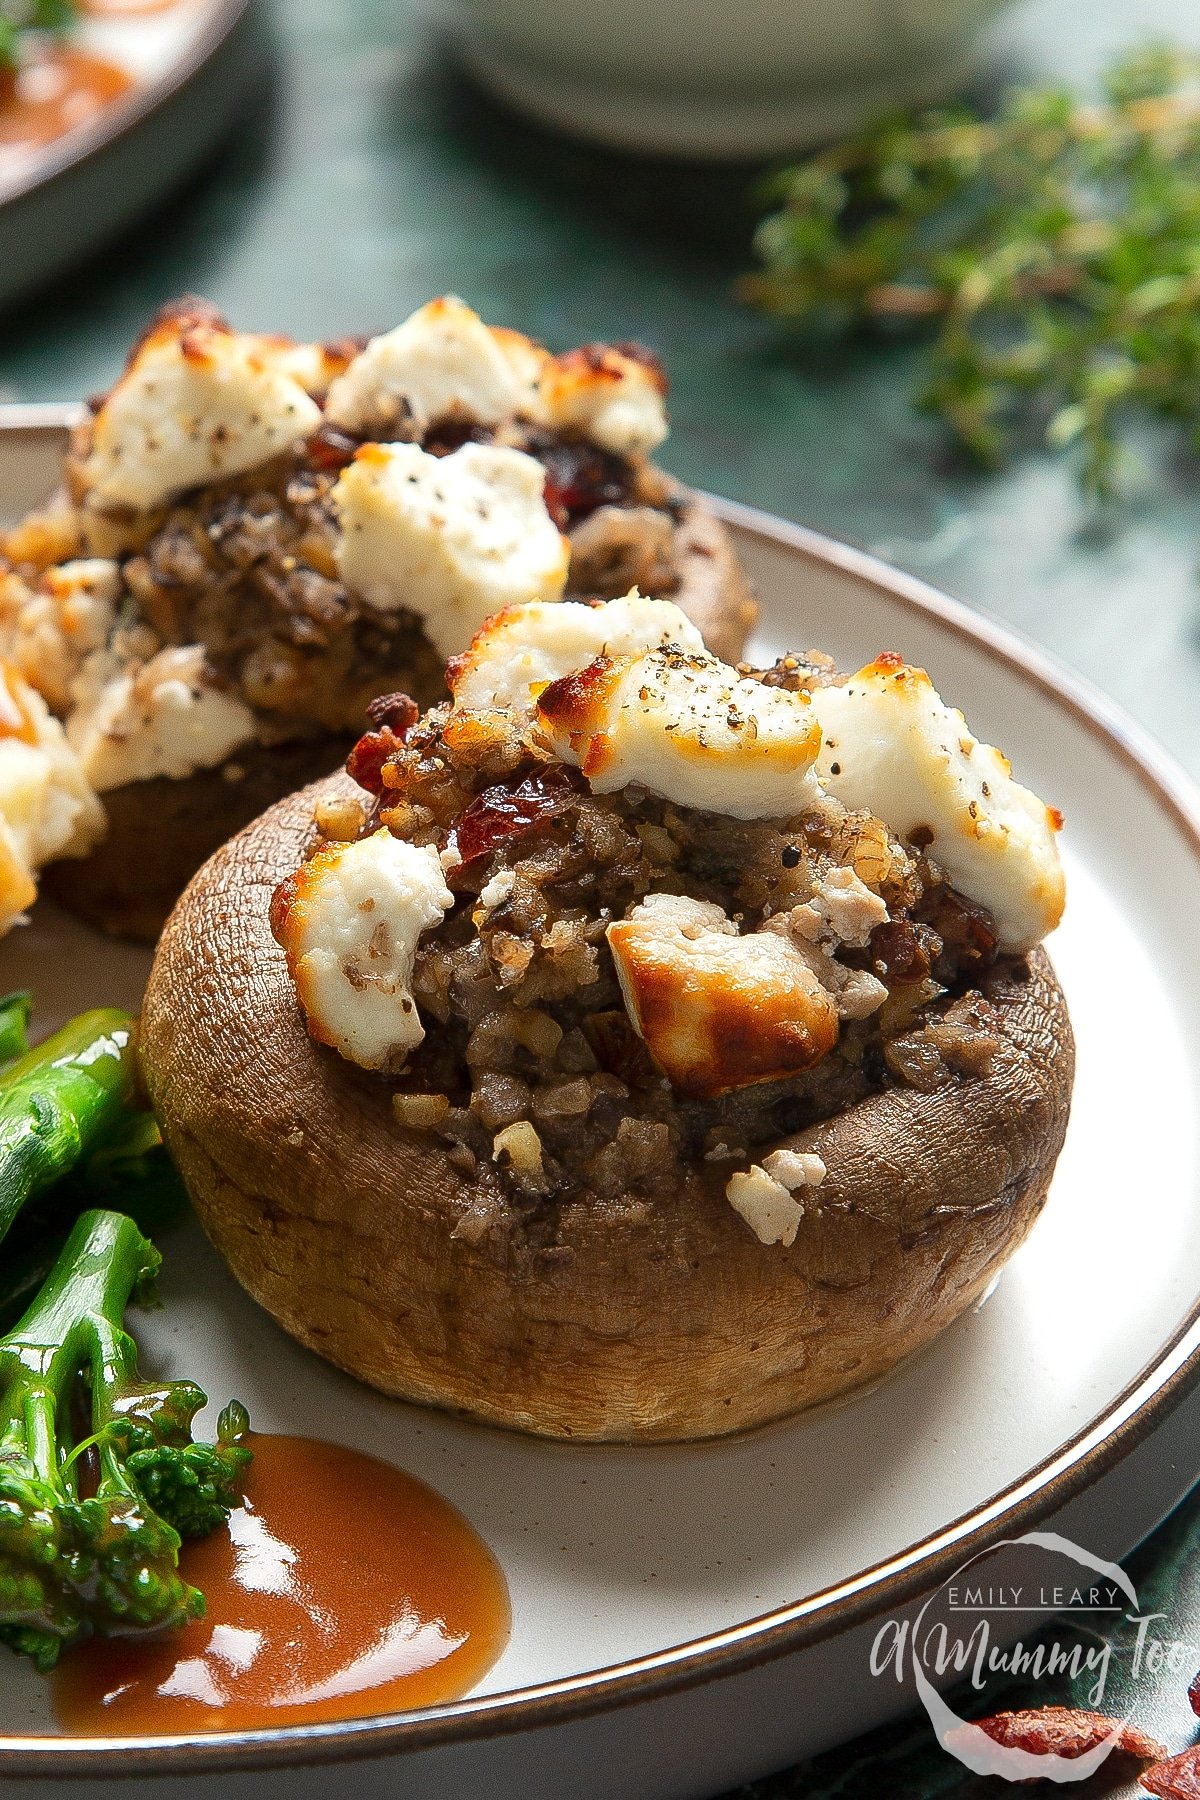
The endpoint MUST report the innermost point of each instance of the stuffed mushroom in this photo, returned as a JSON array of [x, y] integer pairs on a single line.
[[638, 1047], [258, 537]]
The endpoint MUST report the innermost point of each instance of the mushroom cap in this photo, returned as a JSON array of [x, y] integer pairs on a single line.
[[651, 1322]]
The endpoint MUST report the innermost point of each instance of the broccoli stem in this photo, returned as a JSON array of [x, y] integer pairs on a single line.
[[14, 1025], [23, 1271], [104, 1260], [59, 1102], [104, 1559], [130, 1170]]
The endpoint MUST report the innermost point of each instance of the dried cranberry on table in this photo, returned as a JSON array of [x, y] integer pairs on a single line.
[[1176, 1777], [1067, 1731]]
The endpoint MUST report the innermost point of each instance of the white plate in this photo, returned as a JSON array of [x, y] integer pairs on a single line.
[[637, 1572], [194, 66]]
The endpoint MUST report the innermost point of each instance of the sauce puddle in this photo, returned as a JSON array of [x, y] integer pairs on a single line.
[[62, 88], [343, 1588]]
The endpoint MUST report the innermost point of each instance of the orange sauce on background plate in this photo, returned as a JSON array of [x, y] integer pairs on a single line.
[[342, 1589], [123, 9], [58, 90]]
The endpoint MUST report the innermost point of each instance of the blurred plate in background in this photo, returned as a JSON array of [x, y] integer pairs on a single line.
[[702, 79], [192, 67]]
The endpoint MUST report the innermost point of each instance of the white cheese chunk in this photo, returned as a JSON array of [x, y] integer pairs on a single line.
[[349, 922], [314, 366], [795, 1168], [612, 398], [162, 717], [893, 747], [198, 402], [769, 1209], [684, 725], [496, 890], [443, 362], [844, 910], [49, 630], [47, 807], [524, 648], [718, 1011], [856, 992], [764, 1194], [453, 538], [527, 360]]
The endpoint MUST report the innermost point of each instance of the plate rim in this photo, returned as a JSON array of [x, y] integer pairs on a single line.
[[1103, 1441], [65, 154]]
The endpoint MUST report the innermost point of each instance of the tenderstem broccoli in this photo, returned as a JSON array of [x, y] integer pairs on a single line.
[[16, 1010], [60, 1102], [91, 1523], [131, 1172]]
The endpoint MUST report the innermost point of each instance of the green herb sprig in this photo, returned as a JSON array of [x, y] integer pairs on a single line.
[[1051, 252], [18, 16]]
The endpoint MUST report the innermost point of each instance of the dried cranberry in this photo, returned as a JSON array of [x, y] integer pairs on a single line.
[[968, 934], [329, 448], [897, 948], [580, 477], [365, 762], [1066, 1731], [450, 435], [1176, 1778], [499, 813], [399, 712]]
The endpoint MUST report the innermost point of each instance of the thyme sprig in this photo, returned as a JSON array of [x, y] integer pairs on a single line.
[[1052, 252]]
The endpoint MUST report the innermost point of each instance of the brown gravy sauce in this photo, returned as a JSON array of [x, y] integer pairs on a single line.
[[343, 1588], [58, 91]]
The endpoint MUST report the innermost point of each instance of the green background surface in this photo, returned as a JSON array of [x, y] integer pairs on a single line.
[[370, 177]]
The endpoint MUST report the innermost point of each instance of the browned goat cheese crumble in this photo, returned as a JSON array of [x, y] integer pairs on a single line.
[[259, 536], [626, 999]]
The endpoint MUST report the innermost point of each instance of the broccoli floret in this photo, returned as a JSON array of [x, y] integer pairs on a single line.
[[90, 1530], [193, 1486], [38, 1610]]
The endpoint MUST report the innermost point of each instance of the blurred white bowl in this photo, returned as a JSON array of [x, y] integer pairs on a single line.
[[714, 78]]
